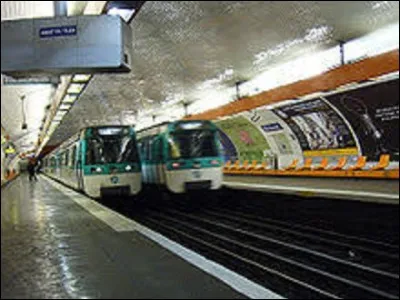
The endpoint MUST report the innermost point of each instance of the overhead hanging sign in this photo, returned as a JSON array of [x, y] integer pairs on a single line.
[[65, 45]]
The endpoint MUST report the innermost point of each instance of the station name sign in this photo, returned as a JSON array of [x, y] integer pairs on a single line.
[[52, 32]]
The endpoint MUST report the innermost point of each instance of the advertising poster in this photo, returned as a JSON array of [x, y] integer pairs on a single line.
[[279, 135], [373, 112], [248, 140], [320, 130]]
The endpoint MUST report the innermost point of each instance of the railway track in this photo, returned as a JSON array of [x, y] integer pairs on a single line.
[[294, 260]]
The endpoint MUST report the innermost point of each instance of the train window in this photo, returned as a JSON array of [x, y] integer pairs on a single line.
[[112, 149], [151, 154], [74, 150], [128, 151], [146, 146], [160, 157], [139, 145], [193, 144], [154, 150], [149, 148], [66, 160], [158, 151], [94, 153]]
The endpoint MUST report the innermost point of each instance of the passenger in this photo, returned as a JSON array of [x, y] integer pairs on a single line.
[[32, 171]]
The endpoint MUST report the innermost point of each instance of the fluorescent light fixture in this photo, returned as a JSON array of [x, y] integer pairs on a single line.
[[110, 131], [75, 88], [375, 43], [70, 99], [191, 125], [64, 106], [52, 128], [61, 114], [81, 78], [293, 71], [211, 99]]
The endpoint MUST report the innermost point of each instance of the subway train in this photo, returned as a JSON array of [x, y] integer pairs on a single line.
[[181, 156], [98, 161]]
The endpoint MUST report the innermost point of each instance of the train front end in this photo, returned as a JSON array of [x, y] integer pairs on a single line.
[[194, 157], [111, 165]]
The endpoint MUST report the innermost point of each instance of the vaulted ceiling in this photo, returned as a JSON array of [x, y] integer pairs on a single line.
[[186, 51]]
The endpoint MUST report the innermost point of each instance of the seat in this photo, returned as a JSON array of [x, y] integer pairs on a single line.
[[236, 166], [293, 165], [262, 167], [340, 165], [361, 163], [244, 166], [227, 166], [383, 163], [252, 166], [307, 165], [323, 165]]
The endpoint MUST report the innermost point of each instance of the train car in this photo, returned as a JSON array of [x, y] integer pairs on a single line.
[[98, 161], [181, 156]]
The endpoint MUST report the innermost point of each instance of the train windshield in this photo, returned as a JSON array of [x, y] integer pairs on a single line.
[[193, 144], [112, 146]]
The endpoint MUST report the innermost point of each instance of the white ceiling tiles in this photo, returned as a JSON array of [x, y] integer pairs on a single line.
[[195, 52], [14, 111]]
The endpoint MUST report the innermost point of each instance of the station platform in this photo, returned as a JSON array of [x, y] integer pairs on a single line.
[[367, 190], [57, 243]]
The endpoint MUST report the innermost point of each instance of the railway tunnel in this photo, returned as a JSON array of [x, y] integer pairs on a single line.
[[236, 149]]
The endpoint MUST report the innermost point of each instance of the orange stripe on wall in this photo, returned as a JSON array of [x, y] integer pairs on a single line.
[[360, 71]]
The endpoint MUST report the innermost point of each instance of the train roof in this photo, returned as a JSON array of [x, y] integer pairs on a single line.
[[155, 129], [171, 122], [68, 142]]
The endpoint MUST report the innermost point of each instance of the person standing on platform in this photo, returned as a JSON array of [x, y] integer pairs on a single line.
[[32, 170]]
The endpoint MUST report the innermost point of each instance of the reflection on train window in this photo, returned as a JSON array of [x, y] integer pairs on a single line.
[[111, 149], [193, 144]]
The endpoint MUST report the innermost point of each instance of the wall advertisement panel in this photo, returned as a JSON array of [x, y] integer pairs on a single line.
[[373, 112], [320, 130]]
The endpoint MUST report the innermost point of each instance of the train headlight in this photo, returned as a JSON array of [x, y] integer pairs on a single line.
[[176, 165], [96, 170], [215, 163], [128, 168]]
